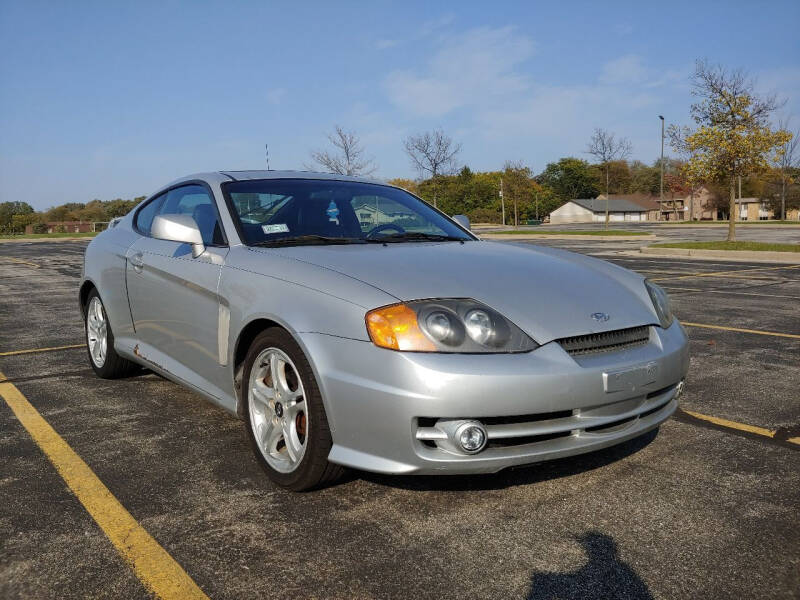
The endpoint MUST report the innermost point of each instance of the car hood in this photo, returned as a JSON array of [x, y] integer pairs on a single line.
[[548, 293]]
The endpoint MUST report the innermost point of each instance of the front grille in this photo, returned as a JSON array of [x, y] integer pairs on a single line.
[[608, 341]]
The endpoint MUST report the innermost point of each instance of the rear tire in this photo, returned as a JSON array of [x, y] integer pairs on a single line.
[[284, 414], [105, 361]]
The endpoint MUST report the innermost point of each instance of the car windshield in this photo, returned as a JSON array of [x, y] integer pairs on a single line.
[[275, 212]]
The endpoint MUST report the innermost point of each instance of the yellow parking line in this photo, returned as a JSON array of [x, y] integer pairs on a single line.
[[722, 273], [20, 261], [770, 433], [35, 350], [157, 570], [740, 330]]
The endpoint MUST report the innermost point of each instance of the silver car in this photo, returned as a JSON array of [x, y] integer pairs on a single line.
[[350, 324]]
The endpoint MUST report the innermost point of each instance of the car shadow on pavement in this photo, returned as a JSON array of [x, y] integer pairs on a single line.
[[543, 471], [603, 577]]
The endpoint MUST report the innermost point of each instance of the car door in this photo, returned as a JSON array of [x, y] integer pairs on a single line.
[[173, 297]]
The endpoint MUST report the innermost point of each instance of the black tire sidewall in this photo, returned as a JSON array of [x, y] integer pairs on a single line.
[[114, 366]]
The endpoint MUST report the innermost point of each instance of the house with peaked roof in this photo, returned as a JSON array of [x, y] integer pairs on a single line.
[[593, 210]]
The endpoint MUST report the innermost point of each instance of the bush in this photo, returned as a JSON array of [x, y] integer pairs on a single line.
[[60, 229], [39, 228], [485, 215]]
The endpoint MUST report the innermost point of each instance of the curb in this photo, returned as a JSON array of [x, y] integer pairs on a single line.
[[740, 255], [34, 240], [545, 236]]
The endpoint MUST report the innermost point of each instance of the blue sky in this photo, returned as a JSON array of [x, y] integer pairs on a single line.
[[113, 99]]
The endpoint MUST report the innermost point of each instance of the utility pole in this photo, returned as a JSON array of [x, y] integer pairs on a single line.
[[661, 185], [502, 202]]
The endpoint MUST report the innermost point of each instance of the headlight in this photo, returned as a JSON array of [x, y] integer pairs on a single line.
[[451, 325], [661, 303]]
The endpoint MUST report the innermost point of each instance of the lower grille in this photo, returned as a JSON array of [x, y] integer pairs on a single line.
[[506, 433], [608, 341]]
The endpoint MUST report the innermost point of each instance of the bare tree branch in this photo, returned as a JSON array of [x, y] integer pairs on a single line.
[[432, 152], [786, 160], [348, 158], [606, 148], [715, 85]]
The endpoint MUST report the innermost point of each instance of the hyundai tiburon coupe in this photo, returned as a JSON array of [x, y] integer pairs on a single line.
[[350, 324]]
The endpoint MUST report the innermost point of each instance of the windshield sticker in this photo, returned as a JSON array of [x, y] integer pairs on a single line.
[[333, 212], [277, 228]]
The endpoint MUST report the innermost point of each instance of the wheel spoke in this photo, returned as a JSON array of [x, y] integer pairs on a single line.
[[273, 437], [294, 408], [277, 368], [263, 393], [290, 439], [98, 311]]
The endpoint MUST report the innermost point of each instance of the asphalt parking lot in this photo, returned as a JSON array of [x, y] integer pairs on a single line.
[[698, 509]]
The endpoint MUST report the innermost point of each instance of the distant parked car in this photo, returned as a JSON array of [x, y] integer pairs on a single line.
[[348, 341]]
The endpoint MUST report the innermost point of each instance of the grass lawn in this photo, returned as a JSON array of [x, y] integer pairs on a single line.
[[569, 232], [33, 236], [752, 246]]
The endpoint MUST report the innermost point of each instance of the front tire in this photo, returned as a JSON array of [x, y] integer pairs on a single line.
[[285, 417], [105, 361]]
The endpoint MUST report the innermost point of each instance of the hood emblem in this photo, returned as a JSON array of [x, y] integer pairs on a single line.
[[601, 317]]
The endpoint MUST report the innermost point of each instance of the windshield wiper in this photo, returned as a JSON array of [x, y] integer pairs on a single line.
[[414, 236], [308, 240]]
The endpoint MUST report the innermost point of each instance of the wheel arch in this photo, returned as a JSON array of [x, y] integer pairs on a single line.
[[83, 294], [245, 339]]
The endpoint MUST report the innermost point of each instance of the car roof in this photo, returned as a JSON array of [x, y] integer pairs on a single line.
[[223, 176]]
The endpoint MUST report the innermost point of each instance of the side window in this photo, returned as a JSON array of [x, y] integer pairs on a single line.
[[144, 218], [194, 200]]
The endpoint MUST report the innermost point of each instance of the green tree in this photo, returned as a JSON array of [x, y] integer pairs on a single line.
[[93, 211], [518, 187], [619, 176], [733, 136], [407, 184], [8, 210], [60, 213], [569, 178], [644, 179], [20, 221], [119, 207]]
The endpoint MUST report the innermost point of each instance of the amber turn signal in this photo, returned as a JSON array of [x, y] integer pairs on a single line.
[[395, 327]]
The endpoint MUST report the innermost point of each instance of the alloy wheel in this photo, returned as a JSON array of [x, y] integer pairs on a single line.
[[278, 414], [97, 332]]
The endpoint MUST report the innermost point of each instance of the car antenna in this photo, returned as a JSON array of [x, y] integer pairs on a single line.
[[267, 147]]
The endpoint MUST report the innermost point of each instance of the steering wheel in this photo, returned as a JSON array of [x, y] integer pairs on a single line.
[[384, 227]]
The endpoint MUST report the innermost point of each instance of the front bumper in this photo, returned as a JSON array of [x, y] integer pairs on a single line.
[[538, 406]]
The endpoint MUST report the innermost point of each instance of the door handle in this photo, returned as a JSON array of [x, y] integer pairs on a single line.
[[137, 262]]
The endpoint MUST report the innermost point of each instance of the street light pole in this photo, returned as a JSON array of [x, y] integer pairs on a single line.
[[661, 185]]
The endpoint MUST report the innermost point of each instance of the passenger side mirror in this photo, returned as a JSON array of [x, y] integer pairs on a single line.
[[462, 220], [179, 228]]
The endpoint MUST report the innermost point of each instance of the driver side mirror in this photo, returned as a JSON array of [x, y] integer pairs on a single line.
[[462, 220], [179, 228]]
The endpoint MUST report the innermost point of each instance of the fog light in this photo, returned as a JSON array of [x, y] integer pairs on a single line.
[[471, 437]]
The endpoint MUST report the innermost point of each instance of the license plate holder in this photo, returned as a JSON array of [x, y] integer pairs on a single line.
[[630, 379]]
